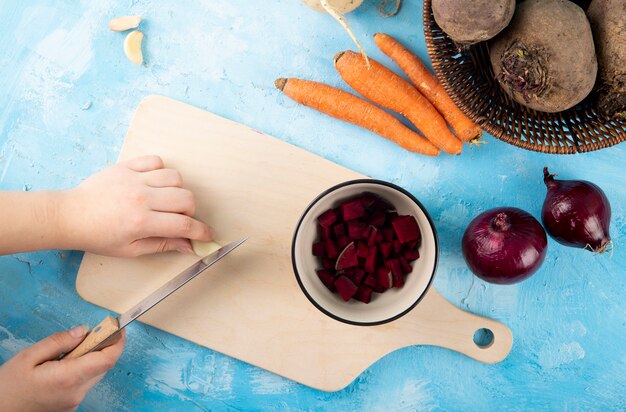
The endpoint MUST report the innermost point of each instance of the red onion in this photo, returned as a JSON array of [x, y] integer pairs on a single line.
[[576, 213], [504, 245]]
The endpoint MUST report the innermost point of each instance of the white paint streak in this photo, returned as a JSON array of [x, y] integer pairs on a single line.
[[412, 396], [7, 163], [554, 355], [267, 383], [10, 345]]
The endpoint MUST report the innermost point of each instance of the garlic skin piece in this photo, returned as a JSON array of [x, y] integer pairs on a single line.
[[132, 46], [204, 248], [124, 23]]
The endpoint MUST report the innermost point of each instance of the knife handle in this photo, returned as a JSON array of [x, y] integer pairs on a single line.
[[102, 331]]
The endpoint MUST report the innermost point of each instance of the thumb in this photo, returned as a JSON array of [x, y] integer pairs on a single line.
[[55, 345], [162, 244]]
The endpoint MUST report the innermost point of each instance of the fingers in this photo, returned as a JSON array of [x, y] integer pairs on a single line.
[[93, 364], [144, 163], [174, 225], [159, 244], [163, 178], [172, 199], [55, 345]]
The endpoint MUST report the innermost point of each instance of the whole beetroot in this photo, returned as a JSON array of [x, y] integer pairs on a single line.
[[608, 23], [471, 21], [545, 59]]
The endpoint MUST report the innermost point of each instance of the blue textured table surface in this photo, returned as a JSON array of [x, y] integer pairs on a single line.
[[67, 97]]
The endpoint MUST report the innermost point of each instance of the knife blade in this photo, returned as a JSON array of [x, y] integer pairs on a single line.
[[107, 332]]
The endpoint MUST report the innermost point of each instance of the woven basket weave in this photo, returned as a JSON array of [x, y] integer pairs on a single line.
[[468, 78]]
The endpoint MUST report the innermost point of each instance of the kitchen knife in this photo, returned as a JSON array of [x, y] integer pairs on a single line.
[[107, 332]]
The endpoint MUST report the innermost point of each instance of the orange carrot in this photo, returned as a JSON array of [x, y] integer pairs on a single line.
[[384, 87], [429, 86], [352, 109]]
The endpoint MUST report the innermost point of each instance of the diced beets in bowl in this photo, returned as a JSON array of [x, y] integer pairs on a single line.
[[357, 230], [384, 278], [328, 278], [327, 218], [385, 249], [370, 281], [411, 255], [362, 249], [345, 287], [319, 249], [331, 249], [364, 294], [405, 266], [406, 228], [347, 258], [352, 209], [365, 247], [339, 229], [370, 261]]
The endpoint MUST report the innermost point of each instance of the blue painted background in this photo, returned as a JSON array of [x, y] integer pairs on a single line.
[[67, 94]]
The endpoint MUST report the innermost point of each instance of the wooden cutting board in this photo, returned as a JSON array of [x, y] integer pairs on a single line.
[[249, 306]]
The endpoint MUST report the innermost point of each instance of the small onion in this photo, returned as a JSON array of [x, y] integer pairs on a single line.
[[504, 245], [576, 213]]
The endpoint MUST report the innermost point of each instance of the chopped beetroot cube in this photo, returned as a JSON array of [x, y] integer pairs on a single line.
[[411, 255], [347, 258], [394, 266], [379, 289], [324, 232], [398, 281], [368, 200], [327, 218], [379, 238], [339, 229], [357, 230], [385, 249], [361, 250], [331, 249], [384, 278], [397, 246], [392, 215], [370, 281], [406, 228], [345, 287], [357, 275], [328, 278], [405, 266], [352, 209], [388, 234], [371, 240], [378, 218], [319, 249], [413, 244], [328, 263], [364, 294], [370, 261], [382, 204], [361, 261], [342, 242]]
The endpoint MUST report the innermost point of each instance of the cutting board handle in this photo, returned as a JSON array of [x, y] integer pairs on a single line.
[[435, 321]]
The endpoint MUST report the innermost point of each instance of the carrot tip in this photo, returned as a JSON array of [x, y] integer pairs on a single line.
[[338, 56], [280, 83]]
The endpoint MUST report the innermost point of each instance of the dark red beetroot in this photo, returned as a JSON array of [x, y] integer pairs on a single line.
[[406, 228], [345, 287], [347, 258], [364, 294], [365, 247], [352, 209], [328, 278]]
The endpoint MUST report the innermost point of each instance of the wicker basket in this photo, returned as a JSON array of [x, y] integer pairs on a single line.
[[468, 78]]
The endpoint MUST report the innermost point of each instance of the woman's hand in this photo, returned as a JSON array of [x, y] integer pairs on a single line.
[[33, 380], [133, 208]]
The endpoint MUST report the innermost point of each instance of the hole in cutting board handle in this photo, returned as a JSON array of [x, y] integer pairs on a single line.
[[483, 338]]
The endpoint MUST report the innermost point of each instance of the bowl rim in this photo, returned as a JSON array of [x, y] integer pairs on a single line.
[[333, 189]]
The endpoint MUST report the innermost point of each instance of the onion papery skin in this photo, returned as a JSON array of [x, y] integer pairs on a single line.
[[576, 213], [504, 245]]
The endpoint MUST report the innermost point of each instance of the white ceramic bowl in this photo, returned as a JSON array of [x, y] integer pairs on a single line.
[[384, 307]]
